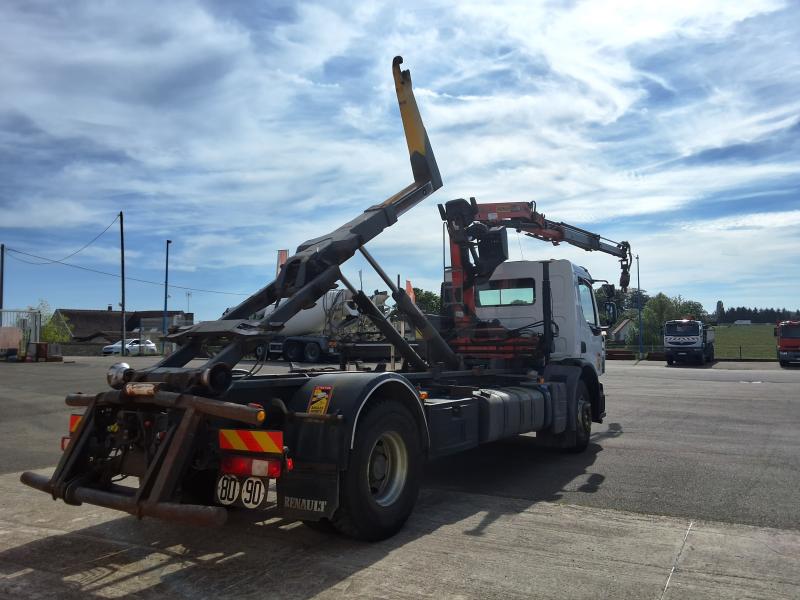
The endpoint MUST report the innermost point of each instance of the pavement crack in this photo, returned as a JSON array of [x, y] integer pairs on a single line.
[[677, 558]]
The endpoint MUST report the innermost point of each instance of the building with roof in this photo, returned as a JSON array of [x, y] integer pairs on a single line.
[[619, 333], [105, 326]]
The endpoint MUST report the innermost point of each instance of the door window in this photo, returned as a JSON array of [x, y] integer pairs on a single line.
[[587, 302]]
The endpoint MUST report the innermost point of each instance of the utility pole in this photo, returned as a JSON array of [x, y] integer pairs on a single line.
[[2, 271], [166, 287], [639, 303], [122, 346]]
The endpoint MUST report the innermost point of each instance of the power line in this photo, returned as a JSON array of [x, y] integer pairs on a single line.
[[82, 268], [81, 249]]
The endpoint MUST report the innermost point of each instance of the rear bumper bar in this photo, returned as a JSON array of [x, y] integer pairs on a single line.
[[191, 514], [156, 492]]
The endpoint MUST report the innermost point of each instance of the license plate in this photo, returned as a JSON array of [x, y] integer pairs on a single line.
[[249, 492]]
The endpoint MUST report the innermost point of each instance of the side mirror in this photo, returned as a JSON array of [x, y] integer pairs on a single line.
[[611, 311], [608, 290]]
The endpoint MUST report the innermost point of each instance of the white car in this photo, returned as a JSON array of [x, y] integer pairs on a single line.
[[131, 348]]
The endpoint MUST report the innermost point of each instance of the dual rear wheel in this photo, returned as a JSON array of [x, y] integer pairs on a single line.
[[302, 352]]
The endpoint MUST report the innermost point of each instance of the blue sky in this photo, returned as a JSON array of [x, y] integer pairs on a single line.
[[239, 128]]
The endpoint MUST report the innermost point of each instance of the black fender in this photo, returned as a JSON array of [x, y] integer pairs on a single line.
[[320, 448], [589, 377], [349, 394], [570, 372]]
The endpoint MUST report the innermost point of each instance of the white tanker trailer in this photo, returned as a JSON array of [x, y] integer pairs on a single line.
[[318, 332]]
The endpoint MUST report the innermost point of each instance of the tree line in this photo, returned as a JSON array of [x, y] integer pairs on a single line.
[[758, 315]]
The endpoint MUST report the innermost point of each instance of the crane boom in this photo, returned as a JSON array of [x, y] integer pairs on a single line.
[[478, 246], [523, 217]]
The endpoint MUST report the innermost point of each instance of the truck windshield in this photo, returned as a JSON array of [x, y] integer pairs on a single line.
[[790, 331], [681, 329], [506, 292]]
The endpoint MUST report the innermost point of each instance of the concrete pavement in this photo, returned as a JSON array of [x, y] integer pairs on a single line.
[[688, 490], [449, 549]]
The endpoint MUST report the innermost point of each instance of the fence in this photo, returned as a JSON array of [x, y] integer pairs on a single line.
[[18, 328], [722, 349]]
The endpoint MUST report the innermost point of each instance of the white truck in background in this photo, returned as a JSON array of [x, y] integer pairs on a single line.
[[688, 340]]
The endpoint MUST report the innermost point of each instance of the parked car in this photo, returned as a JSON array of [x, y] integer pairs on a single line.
[[131, 348]]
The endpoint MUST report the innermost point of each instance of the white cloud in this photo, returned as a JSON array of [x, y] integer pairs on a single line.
[[242, 137]]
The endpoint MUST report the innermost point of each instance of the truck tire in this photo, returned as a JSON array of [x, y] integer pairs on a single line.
[[784, 363], [312, 352], [583, 420], [261, 352], [378, 490], [670, 361], [293, 352], [702, 359]]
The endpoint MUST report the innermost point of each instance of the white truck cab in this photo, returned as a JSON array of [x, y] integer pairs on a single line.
[[513, 296], [688, 340]]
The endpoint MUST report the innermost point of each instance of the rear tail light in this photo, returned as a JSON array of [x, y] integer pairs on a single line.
[[74, 421], [250, 467]]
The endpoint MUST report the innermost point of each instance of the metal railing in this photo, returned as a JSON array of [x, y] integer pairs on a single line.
[[20, 328]]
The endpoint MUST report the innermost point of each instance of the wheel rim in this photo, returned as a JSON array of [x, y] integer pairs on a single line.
[[585, 420], [312, 352], [387, 468]]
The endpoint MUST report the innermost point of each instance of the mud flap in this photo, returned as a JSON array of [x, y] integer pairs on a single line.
[[309, 494]]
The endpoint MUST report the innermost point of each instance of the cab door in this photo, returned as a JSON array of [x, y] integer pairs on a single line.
[[592, 343]]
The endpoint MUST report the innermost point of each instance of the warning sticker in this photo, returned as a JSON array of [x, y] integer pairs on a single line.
[[320, 399]]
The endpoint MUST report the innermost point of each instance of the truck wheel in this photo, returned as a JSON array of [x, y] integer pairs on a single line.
[[293, 352], [583, 420], [702, 359], [312, 352], [379, 488], [261, 352], [784, 363], [670, 361]]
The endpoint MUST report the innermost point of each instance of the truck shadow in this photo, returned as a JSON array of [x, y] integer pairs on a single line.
[[260, 554]]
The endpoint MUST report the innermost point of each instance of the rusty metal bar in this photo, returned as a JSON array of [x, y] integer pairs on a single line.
[[36, 481], [215, 408], [192, 514], [146, 482], [178, 453], [80, 400], [159, 482], [73, 450]]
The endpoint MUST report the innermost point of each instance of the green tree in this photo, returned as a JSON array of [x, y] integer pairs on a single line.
[[658, 310], [719, 313], [428, 302], [54, 330], [690, 309]]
